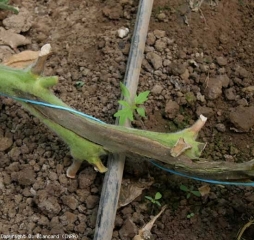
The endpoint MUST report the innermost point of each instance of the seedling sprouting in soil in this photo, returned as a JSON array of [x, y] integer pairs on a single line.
[[190, 215], [190, 191], [79, 84], [4, 4], [128, 110], [155, 200]]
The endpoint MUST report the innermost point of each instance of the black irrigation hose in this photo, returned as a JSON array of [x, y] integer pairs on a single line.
[[113, 177]]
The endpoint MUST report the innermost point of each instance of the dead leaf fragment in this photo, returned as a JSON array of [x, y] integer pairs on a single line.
[[145, 232], [131, 190], [22, 60], [204, 190], [247, 225], [9, 38]]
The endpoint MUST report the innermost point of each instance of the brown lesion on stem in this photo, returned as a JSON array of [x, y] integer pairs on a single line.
[[179, 147]]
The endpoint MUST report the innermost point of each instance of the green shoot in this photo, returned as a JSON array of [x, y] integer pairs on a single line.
[[79, 84], [155, 200], [190, 215], [189, 191], [4, 4], [128, 110]]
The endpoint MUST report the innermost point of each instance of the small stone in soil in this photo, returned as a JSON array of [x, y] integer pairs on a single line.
[[241, 72], [128, 230], [157, 89], [159, 33], [155, 60], [224, 80], [221, 61], [206, 111], [70, 201], [86, 178], [26, 177], [242, 118], [5, 143], [91, 201], [171, 109], [230, 94], [220, 127], [213, 88]]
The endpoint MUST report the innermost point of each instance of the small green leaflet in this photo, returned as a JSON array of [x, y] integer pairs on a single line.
[[124, 114], [128, 109], [124, 90], [157, 196], [196, 193], [124, 103], [79, 84], [141, 111], [149, 198], [184, 188], [142, 97]]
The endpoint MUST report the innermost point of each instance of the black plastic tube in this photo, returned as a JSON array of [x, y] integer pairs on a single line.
[[113, 178]]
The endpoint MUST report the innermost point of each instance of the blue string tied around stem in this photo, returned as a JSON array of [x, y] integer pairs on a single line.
[[246, 184]]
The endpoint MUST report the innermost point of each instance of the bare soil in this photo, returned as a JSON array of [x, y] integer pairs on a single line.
[[195, 63]]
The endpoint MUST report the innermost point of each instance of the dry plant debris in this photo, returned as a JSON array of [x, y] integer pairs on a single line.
[[22, 59], [131, 190], [145, 232], [204, 190], [248, 224]]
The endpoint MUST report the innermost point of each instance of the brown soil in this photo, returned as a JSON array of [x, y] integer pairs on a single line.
[[195, 62]]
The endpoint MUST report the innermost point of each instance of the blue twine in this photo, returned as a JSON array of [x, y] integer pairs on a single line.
[[53, 106], [153, 162], [247, 184]]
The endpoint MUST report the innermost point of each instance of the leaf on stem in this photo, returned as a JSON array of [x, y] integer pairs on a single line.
[[125, 91], [149, 198], [141, 111], [184, 188], [142, 97], [124, 103], [196, 193], [158, 196], [123, 115]]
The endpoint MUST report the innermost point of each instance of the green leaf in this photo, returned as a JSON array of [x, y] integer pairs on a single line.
[[141, 111], [142, 97], [184, 188], [149, 198], [196, 193], [4, 1], [158, 203], [188, 195], [157, 196], [124, 103], [190, 215], [123, 115], [79, 84], [124, 90]]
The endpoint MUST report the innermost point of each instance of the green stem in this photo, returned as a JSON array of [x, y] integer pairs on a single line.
[[5, 6], [88, 139]]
